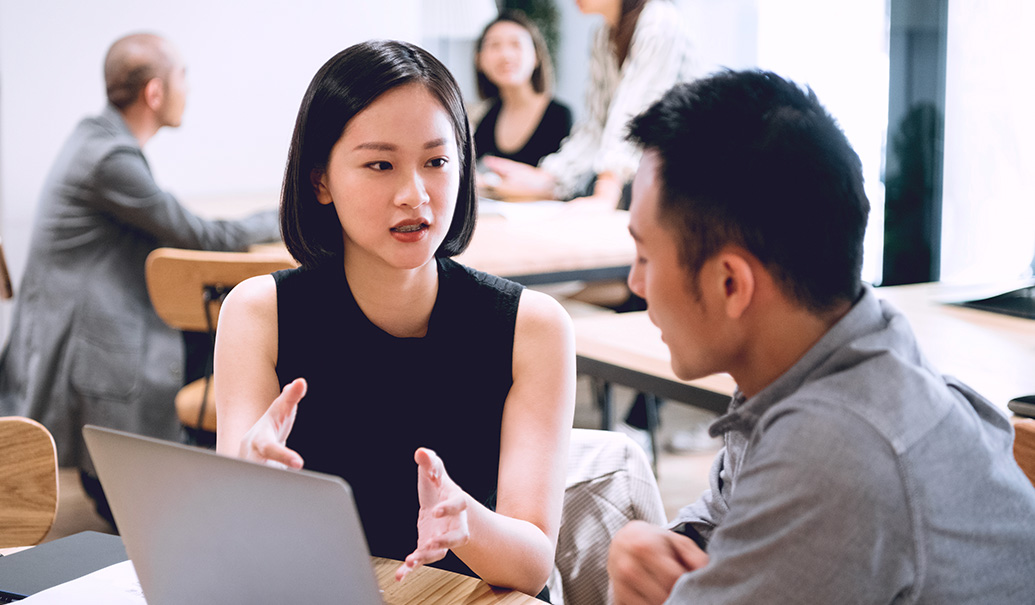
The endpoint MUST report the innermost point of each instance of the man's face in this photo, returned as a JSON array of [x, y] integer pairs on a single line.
[[687, 322], [175, 98]]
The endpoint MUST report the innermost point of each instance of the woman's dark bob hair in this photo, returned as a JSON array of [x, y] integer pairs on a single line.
[[345, 85]]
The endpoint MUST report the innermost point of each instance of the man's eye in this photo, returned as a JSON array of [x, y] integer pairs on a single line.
[[380, 165], [438, 162]]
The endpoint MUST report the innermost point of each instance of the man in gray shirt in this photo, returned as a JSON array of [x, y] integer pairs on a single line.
[[853, 472], [85, 344]]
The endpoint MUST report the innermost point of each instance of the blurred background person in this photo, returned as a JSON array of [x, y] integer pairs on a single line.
[[520, 120], [86, 346], [639, 52]]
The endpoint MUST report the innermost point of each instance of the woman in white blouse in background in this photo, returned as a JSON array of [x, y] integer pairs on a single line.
[[641, 50]]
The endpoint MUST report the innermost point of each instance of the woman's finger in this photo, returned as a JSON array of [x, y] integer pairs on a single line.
[[270, 451], [452, 506]]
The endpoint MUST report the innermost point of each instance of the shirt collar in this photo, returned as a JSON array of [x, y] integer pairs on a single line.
[[113, 117]]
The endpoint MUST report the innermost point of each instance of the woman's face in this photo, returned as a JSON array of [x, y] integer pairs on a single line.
[[508, 56], [393, 178]]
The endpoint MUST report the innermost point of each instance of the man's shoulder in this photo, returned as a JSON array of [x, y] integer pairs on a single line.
[[94, 139]]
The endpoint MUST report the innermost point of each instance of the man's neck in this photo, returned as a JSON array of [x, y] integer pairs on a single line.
[[141, 121], [780, 340]]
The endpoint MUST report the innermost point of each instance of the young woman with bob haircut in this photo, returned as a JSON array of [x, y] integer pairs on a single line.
[[380, 351]]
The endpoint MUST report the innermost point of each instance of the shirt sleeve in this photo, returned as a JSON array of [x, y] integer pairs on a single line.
[[818, 515], [573, 161], [122, 187], [709, 510], [656, 60]]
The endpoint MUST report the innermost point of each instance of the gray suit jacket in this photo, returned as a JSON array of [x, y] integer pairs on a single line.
[[85, 343]]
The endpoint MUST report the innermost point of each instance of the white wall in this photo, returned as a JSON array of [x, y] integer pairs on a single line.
[[988, 188], [248, 64]]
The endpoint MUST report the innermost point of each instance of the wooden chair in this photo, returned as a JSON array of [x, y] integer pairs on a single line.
[[6, 288], [187, 288], [1024, 447], [28, 482]]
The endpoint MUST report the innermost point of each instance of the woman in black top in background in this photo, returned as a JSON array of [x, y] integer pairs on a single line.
[[522, 122]]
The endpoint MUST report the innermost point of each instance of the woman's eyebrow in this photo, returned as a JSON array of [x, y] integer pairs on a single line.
[[379, 146], [376, 146]]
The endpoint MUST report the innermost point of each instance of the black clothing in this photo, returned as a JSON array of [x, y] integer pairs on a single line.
[[546, 139], [373, 399]]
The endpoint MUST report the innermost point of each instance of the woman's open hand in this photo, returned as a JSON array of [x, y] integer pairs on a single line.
[[265, 441], [442, 521]]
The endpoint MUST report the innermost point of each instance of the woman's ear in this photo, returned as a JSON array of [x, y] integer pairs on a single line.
[[319, 180]]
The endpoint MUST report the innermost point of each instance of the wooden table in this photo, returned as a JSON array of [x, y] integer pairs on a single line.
[[438, 587], [554, 245], [991, 352]]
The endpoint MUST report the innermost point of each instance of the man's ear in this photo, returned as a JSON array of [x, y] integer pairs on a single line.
[[154, 93], [739, 281], [319, 180]]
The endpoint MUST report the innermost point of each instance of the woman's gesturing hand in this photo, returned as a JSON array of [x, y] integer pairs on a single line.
[[265, 441], [442, 521]]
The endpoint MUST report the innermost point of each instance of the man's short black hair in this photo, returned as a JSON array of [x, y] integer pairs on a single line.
[[751, 159], [347, 84]]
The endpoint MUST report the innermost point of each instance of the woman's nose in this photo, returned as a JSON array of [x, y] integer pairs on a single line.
[[412, 193]]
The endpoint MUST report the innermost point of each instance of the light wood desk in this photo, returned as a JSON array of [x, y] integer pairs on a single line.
[[553, 246], [432, 586], [993, 353]]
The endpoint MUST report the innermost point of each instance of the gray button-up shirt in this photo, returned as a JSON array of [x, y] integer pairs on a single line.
[[862, 475]]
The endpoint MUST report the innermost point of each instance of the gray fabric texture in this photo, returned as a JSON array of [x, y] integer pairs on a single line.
[[862, 475], [85, 344], [609, 483]]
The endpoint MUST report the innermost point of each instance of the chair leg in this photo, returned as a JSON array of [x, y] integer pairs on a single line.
[[602, 394], [653, 424]]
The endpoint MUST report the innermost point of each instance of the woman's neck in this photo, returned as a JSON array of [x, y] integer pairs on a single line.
[[399, 301], [523, 95]]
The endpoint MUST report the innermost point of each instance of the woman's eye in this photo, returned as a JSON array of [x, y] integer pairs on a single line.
[[380, 165], [438, 162]]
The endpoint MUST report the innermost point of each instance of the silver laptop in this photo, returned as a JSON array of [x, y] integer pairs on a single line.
[[202, 527]]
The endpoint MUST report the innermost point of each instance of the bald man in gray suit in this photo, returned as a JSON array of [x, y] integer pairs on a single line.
[[85, 343]]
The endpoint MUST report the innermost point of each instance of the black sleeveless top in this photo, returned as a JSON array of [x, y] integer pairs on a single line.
[[373, 399], [553, 127]]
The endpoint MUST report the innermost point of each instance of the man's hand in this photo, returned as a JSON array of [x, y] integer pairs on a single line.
[[442, 520], [264, 442], [645, 561]]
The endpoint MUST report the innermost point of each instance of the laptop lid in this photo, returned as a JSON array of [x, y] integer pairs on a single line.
[[202, 527]]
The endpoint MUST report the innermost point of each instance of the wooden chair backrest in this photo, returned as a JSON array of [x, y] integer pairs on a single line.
[[28, 481], [1024, 447], [177, 280], [6, 288]]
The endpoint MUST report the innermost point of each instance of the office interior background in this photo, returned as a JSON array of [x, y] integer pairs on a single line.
[[965, 63]]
